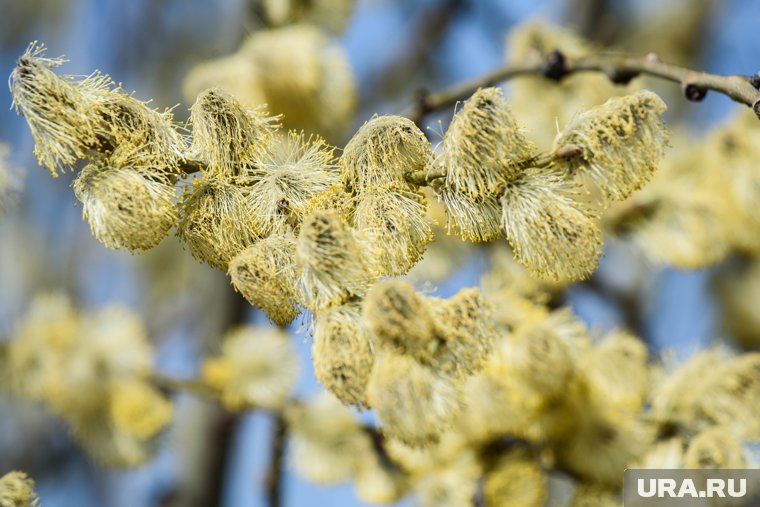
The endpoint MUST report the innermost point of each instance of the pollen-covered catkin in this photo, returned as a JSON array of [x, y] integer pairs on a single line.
[[342, 353], [17, 490], [484, 147], [382, 152], [394, 227], [124, 207], [332, 266], [477, 220], [412, 402], [623, 142], [61, 112], [290, 171], [516, 480], [265, 274], [552, 235], [216, 221], [227, 134], [258, 367]]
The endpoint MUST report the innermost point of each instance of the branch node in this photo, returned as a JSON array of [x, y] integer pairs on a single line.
[[755, 80], [621, 76], [694, 93], [554, 66]]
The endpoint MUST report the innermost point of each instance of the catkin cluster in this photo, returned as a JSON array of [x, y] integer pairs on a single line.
[[17, 490], [90, 369], [496, 181]]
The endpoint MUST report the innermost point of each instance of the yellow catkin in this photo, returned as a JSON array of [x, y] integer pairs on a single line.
[[342, 353], [61, 112], [394, 227], [125, 209], [139, 410], [335, 198], [257, 367], [333, 267], [226, 134], [474, 219], [551, 234], [327, 444], [623, 143], [331, 14], [17, 490], [297, 71], [716, 447], [382, 152], [593, 495], [379, 480], [412, 402], [484, 146], [290, 171], [516, 480], [216, 222], [453, 483], [265, 274]]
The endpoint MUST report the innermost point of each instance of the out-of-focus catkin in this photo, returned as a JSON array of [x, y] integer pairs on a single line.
[[17, 490], [258, 367], [342, 353]]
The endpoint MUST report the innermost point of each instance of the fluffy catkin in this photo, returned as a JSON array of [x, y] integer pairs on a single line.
[[62, 113], [17, 490], [412, 402], [516, 480], [125, 208], [474, 219], [382, 152], [290, 171], [484, 146], [394, 227], [342, 353], [265, 274], [623, 142], [227, 134], [551, 234], [333, 267], [258, 367], [216, 221]]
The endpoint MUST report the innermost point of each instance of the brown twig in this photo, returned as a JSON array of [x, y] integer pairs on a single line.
[[619, 68]]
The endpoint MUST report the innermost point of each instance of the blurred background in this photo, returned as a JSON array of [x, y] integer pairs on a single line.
[[395, 47]]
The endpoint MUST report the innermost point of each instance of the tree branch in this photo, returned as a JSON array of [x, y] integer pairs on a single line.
[[273, 480], [618, 68]]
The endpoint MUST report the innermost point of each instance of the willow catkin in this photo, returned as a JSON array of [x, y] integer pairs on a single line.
[[382, 152], [412, 402], [258, 367], [125, 208], [401, 319], [336, 199], [61, 112], [333, 267], [484, 147], [327, 443], [331, 14], [452, 484], [265, 274], [394, 228], [379, 480], [227, 134], [216, 221], [17, 490], [716, 447], [474, 219], [623, 142], [290, 171], [551, 234], [342, 353], [516, 480], [594, 495]]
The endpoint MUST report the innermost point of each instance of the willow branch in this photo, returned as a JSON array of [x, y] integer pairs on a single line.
[[618, 68], [275, 471]]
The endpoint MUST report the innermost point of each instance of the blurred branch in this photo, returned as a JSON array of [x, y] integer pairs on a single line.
[[276, 462], [619, 69]]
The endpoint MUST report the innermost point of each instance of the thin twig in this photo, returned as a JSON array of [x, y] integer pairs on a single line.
[[619, 68]]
